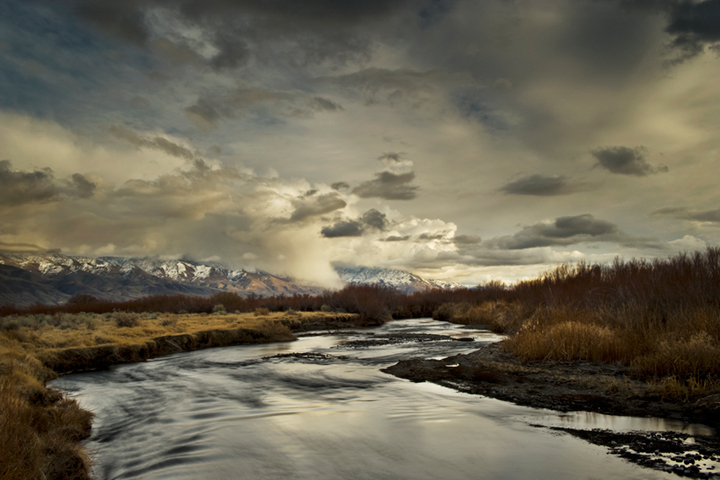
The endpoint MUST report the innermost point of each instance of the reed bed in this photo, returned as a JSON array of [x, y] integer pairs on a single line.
[[661, 318]]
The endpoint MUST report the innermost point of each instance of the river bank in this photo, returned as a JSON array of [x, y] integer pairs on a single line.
[[40, 428], [569, 386]]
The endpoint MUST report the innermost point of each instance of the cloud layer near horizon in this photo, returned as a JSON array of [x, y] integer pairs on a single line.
[[461, 140]]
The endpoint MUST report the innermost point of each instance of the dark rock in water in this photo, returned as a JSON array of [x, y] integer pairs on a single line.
[[464, 339]]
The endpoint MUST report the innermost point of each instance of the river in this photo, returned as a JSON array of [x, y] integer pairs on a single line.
[[320, 408]]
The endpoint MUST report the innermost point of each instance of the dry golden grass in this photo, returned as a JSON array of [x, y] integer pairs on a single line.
[[676, 354]]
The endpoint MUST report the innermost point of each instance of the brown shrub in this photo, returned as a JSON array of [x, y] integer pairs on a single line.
[[126, 319], [260, 311]]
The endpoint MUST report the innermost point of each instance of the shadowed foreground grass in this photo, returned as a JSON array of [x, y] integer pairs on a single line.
[[660, 318], [40, 427]]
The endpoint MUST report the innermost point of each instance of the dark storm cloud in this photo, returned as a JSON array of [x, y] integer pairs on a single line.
[[538, 185], [17, 188], [370, 220], [312, 31], [389, 186], [350, 228], [395, 238], [374, 219], [315, 205], [563, 231], [82, 187], [39, 186], [684, 213], [694, 25], [155, 142], [626, 161], [340, 186]]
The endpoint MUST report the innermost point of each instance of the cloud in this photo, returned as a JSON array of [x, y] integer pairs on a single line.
[[372, 220], [340, 186], [313, 206], [320, 104], [153, 141], [351, 228], [466, 239], [209, 109], [396, 238], [390, 157], [562, 231], [124, 21], [375, 219], [82, 187], [538, 185], [23, 248], [39, 186], [626, 161], [694, 25], [389, 186], [684, 213], [226, 34], [17, 187], [400, 87]]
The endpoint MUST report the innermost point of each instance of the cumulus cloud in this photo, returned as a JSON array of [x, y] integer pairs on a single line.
[[538, 185], [626, 161], [685, 213]]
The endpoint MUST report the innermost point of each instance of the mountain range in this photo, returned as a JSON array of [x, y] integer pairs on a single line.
[[53, 278]]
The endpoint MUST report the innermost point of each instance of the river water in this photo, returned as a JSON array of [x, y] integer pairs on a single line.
[[320, 408]]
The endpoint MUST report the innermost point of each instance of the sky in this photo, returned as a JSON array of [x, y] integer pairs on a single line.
[[460, 140]]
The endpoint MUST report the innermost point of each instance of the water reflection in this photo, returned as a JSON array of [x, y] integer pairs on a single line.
[[253, 412]]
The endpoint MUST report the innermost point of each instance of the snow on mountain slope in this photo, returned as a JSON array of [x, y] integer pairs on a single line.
[[401, 280], [117, 278]]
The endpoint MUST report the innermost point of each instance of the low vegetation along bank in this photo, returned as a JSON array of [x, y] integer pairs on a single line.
[[661, 319], [40, 427]]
